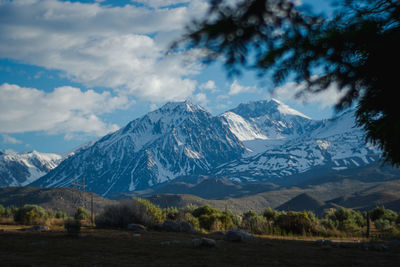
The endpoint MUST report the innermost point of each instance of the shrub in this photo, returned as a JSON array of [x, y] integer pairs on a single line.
[[347, 220], [271, 214], [154, 211], [204, 210], [31, 214], [129, 211], [213, 219], [2, 211], [60, 215], [171, 213], [82, 214], [298, 222], [73, 226], [384, 219], [255, 223], [190, 219], [10, 212]]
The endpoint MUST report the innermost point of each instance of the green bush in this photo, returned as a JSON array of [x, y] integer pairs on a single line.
[[82, 214], [2, 211], [31, 214], [204, 210], [190, 219], [346, 220], [129, 211], [255, 223], [302, 222], [384, 219], [154, 211], [60, 215], [171, 213], [271, 214], [213, 219]]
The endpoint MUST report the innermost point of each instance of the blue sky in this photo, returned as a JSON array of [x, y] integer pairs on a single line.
[[71, 72]]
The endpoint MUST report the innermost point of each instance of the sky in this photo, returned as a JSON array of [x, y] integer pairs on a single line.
[[73, 71]]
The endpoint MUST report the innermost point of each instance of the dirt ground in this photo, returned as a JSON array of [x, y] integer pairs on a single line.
[[94, 247]]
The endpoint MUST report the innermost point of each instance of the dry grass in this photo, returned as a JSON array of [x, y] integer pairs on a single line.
[[6, 221], [96, 247]]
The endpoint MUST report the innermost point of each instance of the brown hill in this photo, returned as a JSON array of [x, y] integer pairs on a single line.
[[63, 199]]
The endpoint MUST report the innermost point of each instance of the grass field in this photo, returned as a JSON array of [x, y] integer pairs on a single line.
[[94, 247]]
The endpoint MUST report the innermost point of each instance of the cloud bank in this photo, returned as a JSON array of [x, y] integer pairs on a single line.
[[123, 48], [66, 110]]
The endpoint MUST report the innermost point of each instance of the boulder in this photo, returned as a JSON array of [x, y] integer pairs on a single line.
[[237, 235], [136, 227]]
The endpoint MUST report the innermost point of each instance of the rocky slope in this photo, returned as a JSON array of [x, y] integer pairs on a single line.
[[257, 141], [19, 169]]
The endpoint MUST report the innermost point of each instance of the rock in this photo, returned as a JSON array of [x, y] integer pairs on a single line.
[[178, 226], [136, 227], [38, 228], [237, 235], [204, 242], [136, 235], [319, 242]]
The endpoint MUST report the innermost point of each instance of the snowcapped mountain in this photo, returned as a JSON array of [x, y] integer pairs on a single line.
[[301, 145], [266, 120], [256, 141], [177, 139], [20, 169]]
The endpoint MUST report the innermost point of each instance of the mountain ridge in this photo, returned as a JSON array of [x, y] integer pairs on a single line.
[[257, 141], [20, 169]]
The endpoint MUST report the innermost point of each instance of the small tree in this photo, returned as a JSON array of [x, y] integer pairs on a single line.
[[82, 214], [31, 214], [255, 223], [2, 211]]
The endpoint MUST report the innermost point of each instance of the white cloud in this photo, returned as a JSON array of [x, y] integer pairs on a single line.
[[115, 47], [7, 139], [326, 98], [201, 98], [160, 3], [236, 88], [209, 86], [66, 110]]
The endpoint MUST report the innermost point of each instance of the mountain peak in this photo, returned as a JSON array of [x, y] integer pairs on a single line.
[[267, 107], [182, 105]]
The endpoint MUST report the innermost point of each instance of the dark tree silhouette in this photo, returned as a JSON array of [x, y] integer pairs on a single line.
[[356, 49]]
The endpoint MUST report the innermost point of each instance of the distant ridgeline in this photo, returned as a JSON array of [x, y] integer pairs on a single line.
[[258, 141]]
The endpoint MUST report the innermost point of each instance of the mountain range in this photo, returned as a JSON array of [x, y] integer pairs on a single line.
[[20, 169], [262, 141]]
